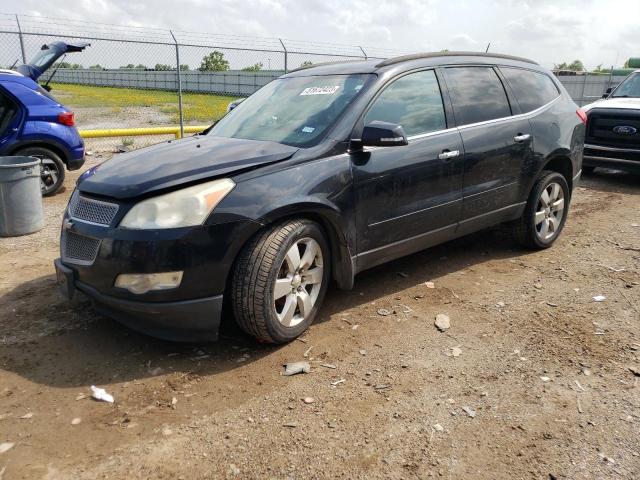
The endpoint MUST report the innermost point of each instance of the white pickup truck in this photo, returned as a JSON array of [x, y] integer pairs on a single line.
[[613, 128]]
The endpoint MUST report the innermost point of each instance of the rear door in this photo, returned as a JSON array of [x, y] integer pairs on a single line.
[[497, 144], [408, 194], [47, 56]]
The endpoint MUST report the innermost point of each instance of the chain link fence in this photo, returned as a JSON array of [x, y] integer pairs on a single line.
[[135, 78], [132, 77]]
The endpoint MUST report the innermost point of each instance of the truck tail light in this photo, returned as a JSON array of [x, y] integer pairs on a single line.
[[66, 118], [583, 116]]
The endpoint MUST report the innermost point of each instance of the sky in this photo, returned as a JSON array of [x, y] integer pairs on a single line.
[[594, 31]]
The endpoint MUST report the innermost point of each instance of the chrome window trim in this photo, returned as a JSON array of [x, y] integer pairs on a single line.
[[519, 116], [611, 149]]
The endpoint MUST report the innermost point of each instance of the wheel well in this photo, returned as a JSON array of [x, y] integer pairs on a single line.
[[54, 148], [564, 167]]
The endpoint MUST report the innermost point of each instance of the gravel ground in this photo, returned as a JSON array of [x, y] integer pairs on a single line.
[[533, 379]]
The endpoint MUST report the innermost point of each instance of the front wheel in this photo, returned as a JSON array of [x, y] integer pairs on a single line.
[[545, 213], [280, 280], [51, 168]]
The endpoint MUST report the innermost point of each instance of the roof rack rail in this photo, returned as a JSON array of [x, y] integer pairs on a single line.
[[417, 56], [322, 64]]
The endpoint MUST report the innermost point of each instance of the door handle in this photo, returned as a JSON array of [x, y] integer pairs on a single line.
[[522, 138], [448, 154]]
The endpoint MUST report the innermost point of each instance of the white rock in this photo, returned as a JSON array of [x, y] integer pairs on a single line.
[[442, 322], [456, 352], [429, 284], [438, 428], [76, 421], [27, 416], [6, 446], [545, 379], [469, 411], [599, 298]]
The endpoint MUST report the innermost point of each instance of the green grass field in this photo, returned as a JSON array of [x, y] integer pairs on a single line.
[[197, 107]]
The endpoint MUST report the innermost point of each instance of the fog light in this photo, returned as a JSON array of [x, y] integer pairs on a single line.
[[144, 282]]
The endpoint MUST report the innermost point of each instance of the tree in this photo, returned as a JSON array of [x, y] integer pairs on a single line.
[[73, 66], [253, 68], [162, 66], [97, 66], [130, 66], [599, 69], [140, 67], [214, 62], [184, 68], [306, 63], [576, 66]]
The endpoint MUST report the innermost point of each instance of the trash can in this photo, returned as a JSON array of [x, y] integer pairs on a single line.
[[20, 196]]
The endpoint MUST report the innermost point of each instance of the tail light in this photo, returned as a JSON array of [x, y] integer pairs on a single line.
[[66, 118], [583, 116]]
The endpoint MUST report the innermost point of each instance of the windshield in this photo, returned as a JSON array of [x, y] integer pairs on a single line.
[[294, 111], [630, 87]]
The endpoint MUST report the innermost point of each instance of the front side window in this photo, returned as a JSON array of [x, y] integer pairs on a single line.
[[532, 89], [630, 87], [296, 111], [477, 94], [413, 101]]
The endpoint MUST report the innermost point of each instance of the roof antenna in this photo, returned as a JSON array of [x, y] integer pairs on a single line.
[[488, 45]]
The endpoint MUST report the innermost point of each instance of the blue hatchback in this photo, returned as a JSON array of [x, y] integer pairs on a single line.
[[33, 123]]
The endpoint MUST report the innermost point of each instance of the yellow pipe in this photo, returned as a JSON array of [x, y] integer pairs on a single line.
[[128, 132]]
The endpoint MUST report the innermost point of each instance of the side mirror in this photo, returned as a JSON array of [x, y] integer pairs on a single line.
[[607, 92], [383, 134]]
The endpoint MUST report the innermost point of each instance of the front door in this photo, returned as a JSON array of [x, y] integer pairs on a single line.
[[408, 197]]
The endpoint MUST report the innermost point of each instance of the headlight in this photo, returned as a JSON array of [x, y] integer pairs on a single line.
[[182, 208]]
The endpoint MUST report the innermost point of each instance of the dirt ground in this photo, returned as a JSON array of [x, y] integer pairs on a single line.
[[533, 380]]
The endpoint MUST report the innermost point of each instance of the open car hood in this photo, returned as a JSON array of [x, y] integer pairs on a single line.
[[47, 56]]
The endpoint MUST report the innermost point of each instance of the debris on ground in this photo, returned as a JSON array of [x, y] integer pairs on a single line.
[[438, 428], [469, 411], [635, 371], [26, 416], [429, 284], [6, 446], [545, 379], [293, 368], [599, 298], [456, 352], [76, 421], [328, 365], [442, 322], [338, 382], [308, 400], [383, 312], [101, 394]]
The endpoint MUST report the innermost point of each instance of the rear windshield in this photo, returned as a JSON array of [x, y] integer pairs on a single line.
[[630, 87], [294, 111]]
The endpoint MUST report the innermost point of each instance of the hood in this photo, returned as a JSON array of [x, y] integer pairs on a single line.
[[47, 56], [178, 162], [613, 102]]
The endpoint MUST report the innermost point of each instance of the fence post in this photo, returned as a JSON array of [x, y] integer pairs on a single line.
[[179, 84], [584, 83], [363, 52], [285, 55], [24, 56]]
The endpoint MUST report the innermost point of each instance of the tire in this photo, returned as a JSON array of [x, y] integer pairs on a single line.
[[267, 267], [53, 169], [541, 224], [588, 170]]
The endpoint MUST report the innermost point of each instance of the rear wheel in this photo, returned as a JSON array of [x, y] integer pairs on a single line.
[[545, 213], [51, 170], [280, 280]]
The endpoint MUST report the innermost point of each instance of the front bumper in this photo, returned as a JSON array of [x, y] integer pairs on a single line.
[[189, 312], [183, 321], [611, 157]]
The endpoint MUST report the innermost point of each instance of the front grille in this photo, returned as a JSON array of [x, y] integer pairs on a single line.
[[601, 125], [91, 210], [79, 248]]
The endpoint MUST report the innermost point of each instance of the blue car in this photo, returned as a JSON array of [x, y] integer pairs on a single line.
[[33, 123]]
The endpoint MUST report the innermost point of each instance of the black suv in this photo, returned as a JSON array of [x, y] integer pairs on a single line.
[[322, 173]]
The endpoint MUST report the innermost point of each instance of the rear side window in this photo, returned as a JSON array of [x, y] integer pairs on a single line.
[[532, 89], [477, 94], [413, 101]]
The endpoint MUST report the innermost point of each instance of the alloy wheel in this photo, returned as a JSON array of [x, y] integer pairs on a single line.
[[298, 282], [48, 174], [549, 211]]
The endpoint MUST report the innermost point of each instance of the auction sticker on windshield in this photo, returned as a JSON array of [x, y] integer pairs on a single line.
[[320, 90]]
